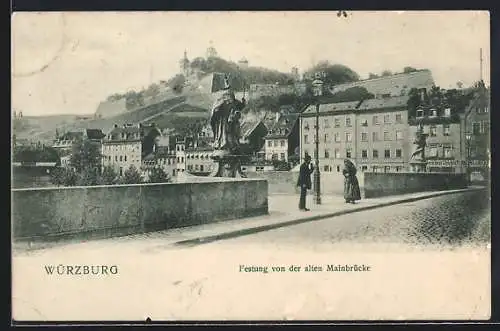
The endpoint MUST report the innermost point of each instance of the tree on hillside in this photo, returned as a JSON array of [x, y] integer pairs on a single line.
[[114, 97], [134, 99], [158, 175], [152, 90], [241, 77], [176, 83], [386, 73], [371, 75], [131, 176], [199, 63], [356, 93], [409, 69], [460, 84], [334, 73]]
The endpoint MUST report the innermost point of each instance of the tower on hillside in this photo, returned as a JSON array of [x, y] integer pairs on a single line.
[[184, 65], [295, 74], [211, 51]]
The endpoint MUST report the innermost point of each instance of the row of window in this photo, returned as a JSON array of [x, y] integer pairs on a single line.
[[480, 127], [121, 158], [445, 151], [270, 143], [387, 135], [364, 137], [123, 136], [364, 153], [197, 156], [329, 168], [274, 156], [485, 109], [199, 167], [433, 130], [433, 112], [133, 148], [387, 119]]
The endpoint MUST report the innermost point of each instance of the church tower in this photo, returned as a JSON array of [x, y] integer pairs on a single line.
[[184, 65], [211, 51]]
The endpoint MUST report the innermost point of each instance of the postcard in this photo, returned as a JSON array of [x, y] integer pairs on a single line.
[[251, 166]]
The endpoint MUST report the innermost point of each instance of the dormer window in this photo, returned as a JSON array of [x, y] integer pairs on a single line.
[[420, 113], [447, 112], [433, 112]]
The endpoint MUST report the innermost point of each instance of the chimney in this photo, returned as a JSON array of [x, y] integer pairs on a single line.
[[277, 116]]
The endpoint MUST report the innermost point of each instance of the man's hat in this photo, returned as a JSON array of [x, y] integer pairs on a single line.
[[307, 157]]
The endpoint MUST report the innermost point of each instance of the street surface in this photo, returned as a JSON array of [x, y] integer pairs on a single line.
[[429, 259], [454, 219]]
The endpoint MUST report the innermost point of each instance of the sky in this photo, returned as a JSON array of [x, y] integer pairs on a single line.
[[67, 62]]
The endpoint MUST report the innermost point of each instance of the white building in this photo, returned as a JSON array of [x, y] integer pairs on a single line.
[[162, 158], [180, 153], [122, 147]]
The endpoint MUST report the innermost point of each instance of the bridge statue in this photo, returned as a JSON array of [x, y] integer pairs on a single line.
[[418, 162], [225, 123]]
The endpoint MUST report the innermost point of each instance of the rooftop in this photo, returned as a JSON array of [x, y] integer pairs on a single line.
[[127, 132], [95, 134], [283, 127], [370, 104]]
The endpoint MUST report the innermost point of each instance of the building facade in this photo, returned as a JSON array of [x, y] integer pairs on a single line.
[[162, 158], [476, 121], [198, 160], [122, 148], [374, 134], [282, 138], [444, 148], [180, 153]]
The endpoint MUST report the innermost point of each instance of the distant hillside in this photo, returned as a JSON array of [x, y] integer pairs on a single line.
[[42, 128], [199, 69], [163, 103], [175, 113]]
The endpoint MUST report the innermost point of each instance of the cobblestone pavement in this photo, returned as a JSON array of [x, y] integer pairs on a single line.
[[428, 259], [455, 219]]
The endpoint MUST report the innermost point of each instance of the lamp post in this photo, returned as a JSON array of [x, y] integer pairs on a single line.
[[468, 138], [317, 85]]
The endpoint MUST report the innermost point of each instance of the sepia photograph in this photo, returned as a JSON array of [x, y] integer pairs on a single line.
[[250, 166]]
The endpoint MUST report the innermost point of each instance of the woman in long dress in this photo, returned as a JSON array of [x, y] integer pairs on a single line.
[[351, 184]]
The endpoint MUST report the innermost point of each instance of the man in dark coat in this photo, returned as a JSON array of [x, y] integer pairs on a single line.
[[304, 181], [351, 184]]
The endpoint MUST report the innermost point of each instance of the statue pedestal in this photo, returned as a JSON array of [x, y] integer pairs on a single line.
[[227, 165], [418, 165]]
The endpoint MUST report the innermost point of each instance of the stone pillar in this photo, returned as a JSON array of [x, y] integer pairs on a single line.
[[227, 166]]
